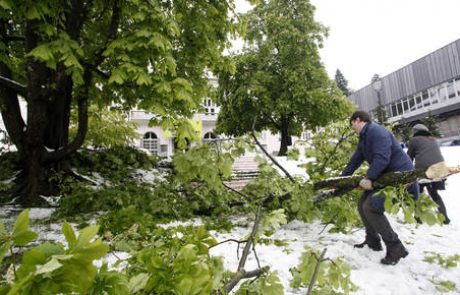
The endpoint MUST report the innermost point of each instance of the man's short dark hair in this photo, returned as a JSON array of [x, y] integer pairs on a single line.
[[362, 115]]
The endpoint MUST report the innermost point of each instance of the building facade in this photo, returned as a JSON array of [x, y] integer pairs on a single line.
[[430, 85]]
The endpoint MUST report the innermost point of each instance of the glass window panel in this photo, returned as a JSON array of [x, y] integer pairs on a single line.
[[400, 109], [425, 95], [394, 111], [405, 105], [442, 91], [412, 104], [457, 86], [434, 95], [450, 90]]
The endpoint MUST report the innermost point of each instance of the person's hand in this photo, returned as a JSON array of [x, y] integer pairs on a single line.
[[366, 184]]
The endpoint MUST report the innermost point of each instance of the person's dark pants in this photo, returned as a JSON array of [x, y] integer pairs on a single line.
[[374, 220], [371, 209], [432, 189]]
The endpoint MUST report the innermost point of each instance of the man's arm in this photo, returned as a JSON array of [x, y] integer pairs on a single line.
[[356, 160]]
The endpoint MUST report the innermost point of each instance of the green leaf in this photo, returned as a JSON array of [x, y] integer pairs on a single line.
[[23, 238], [116, 77], [138, 282], [69, 235], [143, 79], [5, 4], [86, 235], [4, 249], [49, 267], [22, 222], [42, 52], [21, 235]]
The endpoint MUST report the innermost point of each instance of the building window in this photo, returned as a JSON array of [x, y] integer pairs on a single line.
[[411, 103], [418, 101], [164, 149], [442, 93], [406, 105], [150, 142], [434, 95], [208, 137], [394, 111], [457, 86], [400, 109], [450, 90]]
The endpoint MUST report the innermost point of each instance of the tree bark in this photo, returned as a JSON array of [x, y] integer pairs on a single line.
[[338, 186], [284, 136]]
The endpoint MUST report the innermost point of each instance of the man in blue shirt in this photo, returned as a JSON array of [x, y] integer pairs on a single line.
[[380, 149]]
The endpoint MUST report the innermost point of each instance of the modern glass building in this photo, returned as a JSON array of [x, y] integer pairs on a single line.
[[430, 85]]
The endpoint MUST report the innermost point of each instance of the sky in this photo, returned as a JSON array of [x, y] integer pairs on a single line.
[[368, 37]]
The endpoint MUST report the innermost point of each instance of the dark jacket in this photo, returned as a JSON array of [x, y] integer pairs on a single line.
[[381, 150], [425, 150]]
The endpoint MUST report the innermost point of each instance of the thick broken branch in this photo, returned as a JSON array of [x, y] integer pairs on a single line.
[[15, 86]]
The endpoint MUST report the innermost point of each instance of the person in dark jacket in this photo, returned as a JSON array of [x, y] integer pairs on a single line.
[[426, 152], [380, 149]]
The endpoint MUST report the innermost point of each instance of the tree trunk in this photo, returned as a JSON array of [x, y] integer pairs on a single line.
[[284, 136]]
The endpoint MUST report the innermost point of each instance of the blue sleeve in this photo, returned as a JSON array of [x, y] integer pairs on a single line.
[[356, 160], [380, 153]]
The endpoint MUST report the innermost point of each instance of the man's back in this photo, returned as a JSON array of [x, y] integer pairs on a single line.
[[382, 151]]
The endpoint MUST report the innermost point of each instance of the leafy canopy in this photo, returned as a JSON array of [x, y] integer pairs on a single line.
[[150, 54], [279, 77]]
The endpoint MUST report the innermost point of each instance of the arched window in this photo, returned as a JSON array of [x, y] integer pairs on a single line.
[[209, 136], [150, 142]]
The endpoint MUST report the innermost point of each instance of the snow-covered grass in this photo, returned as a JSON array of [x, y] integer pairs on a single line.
[[411, 275]]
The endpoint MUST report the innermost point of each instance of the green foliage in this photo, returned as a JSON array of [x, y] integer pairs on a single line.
[[446, 262], [52, 269], [380, 114], [20, 235], [331, 149], [150, 55], [333, 276], [265, 285], [431, 122], [109, 282], [342, 83], [107, 128], [114, 164], [293, 154], [200, 164], [177, 261], [8, 165], [425, 209], [279, 80], [445, 286], [403, 131]]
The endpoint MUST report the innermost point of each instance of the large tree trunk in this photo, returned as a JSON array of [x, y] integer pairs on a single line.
[[284, 136]]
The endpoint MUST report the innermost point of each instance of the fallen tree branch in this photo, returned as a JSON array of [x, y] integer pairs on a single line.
[[240, 272], [240, 275], [253, 134], [315, 273]]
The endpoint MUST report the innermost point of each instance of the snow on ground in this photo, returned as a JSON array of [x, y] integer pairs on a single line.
[[411, 275]]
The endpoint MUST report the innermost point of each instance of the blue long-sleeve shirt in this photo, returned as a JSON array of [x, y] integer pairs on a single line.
[[381, 150]]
